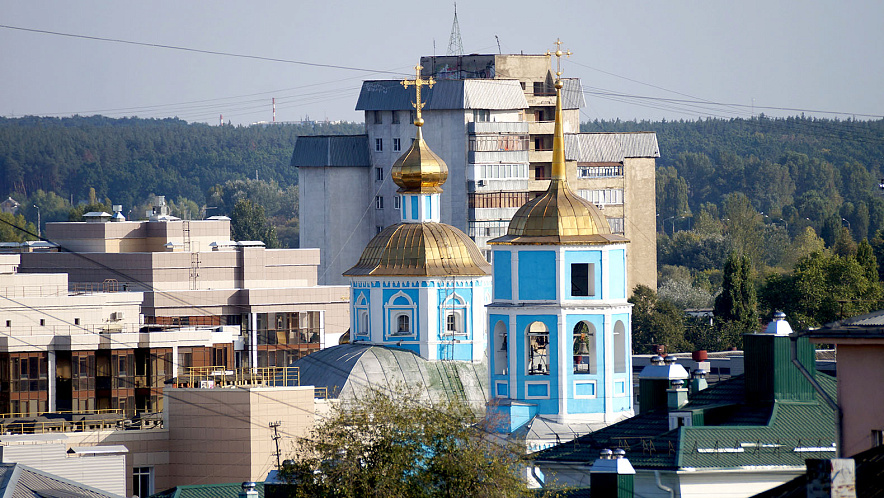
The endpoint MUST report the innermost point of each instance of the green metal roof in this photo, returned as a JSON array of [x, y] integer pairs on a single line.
[[782, 433], [207, 491]]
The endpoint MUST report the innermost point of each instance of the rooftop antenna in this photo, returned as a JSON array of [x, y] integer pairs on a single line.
[[455, 44], [274, 109], [498, 44]]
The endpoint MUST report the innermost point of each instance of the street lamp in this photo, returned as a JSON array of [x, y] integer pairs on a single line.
[[39, 234], [848, 224]]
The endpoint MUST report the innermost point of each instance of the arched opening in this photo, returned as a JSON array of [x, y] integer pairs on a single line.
[[403, 325], [454, 311], [538, 349], [501, 349], [620, 348], [585, 359]]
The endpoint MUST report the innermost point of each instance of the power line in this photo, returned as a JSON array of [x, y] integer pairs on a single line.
[[196, 50]]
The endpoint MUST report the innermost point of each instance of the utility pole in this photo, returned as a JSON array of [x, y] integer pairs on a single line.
[[275, 437]]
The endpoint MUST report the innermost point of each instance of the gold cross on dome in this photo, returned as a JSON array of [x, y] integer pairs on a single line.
[[418, 82], [558, 53]]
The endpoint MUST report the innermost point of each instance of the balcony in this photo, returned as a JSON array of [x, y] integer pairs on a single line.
[[499, 156], [541, 127], [540, 156], [497, 127]]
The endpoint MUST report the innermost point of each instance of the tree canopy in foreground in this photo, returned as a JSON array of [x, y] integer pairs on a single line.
[[398, 445]]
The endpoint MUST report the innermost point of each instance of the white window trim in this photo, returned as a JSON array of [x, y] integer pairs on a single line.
[[537, 383], [456, 305], [498, 383], [393, 311]]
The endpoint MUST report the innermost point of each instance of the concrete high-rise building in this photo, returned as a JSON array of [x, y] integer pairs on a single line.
[[490, 118]]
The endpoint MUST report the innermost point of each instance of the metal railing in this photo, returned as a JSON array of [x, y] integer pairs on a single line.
[[113, 419], [220, 376]]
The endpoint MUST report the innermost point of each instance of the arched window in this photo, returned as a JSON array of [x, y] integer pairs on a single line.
[[620, 348], [452, 316], [585, 359], [363, 323], [403, 325], [361, 314], [501, 349], [538, 349]]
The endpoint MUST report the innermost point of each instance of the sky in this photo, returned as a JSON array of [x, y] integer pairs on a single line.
[[637, 60]]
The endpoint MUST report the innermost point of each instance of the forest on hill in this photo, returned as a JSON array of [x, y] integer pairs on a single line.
[[757, 215], [60, 163]]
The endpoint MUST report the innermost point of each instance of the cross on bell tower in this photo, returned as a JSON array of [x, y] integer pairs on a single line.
[[558, 53], [418, 82]]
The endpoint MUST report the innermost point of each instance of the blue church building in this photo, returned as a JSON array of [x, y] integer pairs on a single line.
[[559, 323]]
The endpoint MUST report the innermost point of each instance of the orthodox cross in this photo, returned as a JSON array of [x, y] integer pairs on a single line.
[[418, 82], [558, 53]]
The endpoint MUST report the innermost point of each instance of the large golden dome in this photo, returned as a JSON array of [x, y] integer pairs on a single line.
[[420, 250], [419, 170]]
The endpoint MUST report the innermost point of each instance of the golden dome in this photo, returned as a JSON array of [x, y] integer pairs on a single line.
[[559, 216], [420, 250], [419, 170]]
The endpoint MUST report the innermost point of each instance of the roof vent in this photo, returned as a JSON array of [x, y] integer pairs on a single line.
[[619, 453], [677, 383], [779, 325], [657, 360], [606, 454], [699, 373]]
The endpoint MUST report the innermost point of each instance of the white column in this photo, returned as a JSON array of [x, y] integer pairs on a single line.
[[53, 394], [253, 340]]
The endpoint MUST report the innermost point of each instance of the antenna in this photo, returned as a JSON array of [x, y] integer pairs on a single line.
[[220, 120], [498, 44], [455, 44], [274, 109]]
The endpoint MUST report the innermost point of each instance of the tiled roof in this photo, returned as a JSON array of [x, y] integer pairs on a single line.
[[778, 434], [331, 150]]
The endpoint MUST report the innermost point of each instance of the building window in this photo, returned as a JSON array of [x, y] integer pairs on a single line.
[[42, 322], [378, 117], [379, 202], [498, 143], [397, 145], [363, 323], [540, 173], [142, 481], [379, 174], [76, 321], [379, 145], [538, 349], [620, 348], [451, 323], [400, 310], [481, 115], [611, 171], [403, 325], [501, 350], [411, 116], [379, 229], [395, 117], [9, 323], [616, 225], [585, 348], [603, 197], [877, 437], [582, 279], [452, 313], [397, 202]]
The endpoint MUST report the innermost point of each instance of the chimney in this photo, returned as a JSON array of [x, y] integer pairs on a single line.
[[770, 374], [612, 476], [248, 490], [835, 478], [677, 395], [698, 381], [654, 381]]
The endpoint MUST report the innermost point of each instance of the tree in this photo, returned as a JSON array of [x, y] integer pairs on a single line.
[[14, 228], [736, 308], [394, 444], [247, 222], [656, 321]]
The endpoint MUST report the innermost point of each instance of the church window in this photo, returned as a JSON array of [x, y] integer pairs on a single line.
[[501, 350], [395, 117], [379, 145], [403, 326], [538, 349], [379, 202], [582, 279], [620, 348], [363, 323], [584, 350], [452, 313], [451, 323], [397, 145]]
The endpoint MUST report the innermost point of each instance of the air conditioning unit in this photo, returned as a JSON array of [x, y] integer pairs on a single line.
[[117, 316]]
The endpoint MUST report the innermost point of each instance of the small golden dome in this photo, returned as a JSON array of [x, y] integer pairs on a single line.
[[420, 250], [419, 169], [558, 217]]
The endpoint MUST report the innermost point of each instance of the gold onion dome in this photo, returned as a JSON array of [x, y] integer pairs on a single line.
[[559, 216], [419, 169], [420, 250]]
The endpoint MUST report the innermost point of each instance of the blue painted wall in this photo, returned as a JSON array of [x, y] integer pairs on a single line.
[[587, 256], [596, 405], [537, 275], [460, 352], [416, 324], [617, 274], [518, 345], [503, 276]]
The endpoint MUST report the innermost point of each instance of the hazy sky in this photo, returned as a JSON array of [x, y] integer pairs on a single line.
[[812, 54]]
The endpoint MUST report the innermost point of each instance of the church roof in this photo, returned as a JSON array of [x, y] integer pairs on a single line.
[[334, 150], [420, 250], [347, 370], [419, 169]]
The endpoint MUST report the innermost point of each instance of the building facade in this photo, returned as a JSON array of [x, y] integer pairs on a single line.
[[490, 118]]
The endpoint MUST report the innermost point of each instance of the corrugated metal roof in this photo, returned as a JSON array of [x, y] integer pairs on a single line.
[[333, 150], [390, 95], [27, 482], [610, 147], [572, 94], [494, 94], [207, 491]]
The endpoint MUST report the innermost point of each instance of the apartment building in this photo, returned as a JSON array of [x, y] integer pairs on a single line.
[[491, 119]]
